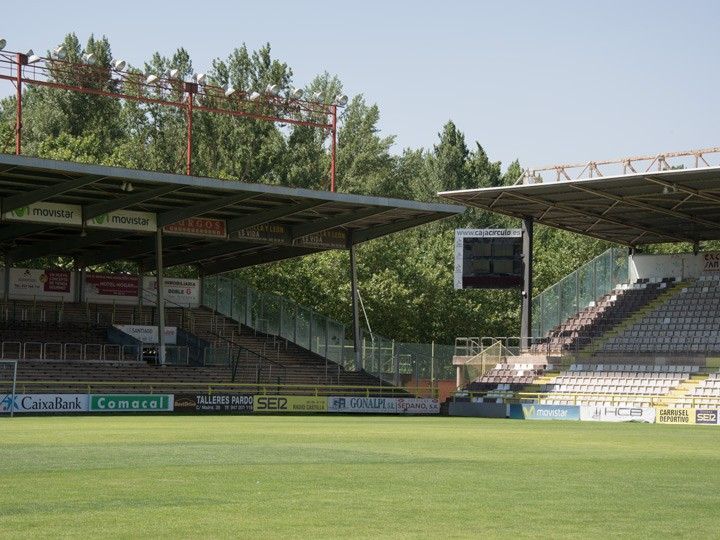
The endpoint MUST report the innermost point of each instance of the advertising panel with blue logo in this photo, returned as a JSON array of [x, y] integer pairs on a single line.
[[534, 411]]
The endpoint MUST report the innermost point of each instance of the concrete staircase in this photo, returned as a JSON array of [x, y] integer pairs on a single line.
[[683, 389]]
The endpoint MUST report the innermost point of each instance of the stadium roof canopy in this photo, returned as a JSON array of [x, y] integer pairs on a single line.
[[99, 214], [680, 205]]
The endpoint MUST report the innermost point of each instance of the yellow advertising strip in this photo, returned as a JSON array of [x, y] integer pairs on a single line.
[[290, 404], [674, 416]]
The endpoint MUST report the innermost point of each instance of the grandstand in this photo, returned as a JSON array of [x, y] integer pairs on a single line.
[[77, 331], [627, 329]]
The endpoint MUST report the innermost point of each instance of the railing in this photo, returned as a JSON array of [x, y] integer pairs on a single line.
[[212, 388], [584, 398], [35, 350], [574, 292]]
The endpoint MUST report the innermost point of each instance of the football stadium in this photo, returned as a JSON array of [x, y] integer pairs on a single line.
[[155, 382]]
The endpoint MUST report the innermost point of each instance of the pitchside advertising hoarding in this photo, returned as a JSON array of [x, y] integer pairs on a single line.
[[536, 411], [214, 403], [290, 404], [44, 403], [381, 405], [131, 402], [610, 413]]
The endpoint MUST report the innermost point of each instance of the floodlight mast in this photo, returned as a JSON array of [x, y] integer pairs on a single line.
[[267, 106]]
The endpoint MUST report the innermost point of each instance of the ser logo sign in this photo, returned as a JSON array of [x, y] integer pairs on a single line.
[[706, 416], [269, 403]]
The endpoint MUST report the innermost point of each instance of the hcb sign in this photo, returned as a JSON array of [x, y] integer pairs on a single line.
[[131, 402]]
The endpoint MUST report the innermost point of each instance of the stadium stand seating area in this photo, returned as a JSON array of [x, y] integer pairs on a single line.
[[612, 309], [689, 322], [504, 380], [69, 342]]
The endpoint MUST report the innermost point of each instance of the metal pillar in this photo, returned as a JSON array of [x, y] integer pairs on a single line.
[[6, 279], [355, 309], [20, 60], [332, 148], [526, 317], [190, 88], [160, 296]]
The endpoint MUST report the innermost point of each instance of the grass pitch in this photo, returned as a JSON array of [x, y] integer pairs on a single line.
[[335, 477]]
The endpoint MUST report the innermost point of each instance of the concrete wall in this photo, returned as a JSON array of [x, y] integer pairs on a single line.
[[679, 265]]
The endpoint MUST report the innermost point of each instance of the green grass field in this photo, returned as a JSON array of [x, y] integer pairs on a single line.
[[336, 477]]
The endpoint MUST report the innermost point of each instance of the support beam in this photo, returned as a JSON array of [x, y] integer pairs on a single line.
[[355, 309], [375, 232], [198, 254], [526, 316], [160, 296], [11, 231], [63, 245], [324, 224], [132, 250], [243, 261], [173, 216], [6, 280], [266, 216], [36, 195], [119, 203]]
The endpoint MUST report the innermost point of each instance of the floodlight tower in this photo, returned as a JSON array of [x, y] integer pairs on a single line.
[[161, 89]]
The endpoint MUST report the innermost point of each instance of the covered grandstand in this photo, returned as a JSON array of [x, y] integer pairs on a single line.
[[627, 328], [73, 330]]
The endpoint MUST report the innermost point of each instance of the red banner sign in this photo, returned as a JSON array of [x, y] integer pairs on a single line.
[[56, 281], [113, 285], [214, 228]]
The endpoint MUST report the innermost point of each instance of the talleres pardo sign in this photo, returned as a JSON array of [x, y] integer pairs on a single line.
[[213, 403]]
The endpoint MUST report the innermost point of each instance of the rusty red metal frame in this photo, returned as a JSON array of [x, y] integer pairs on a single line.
[[106, 81]]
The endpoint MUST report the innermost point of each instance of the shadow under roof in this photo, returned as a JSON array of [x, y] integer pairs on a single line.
[[262, 223], [680, 205]]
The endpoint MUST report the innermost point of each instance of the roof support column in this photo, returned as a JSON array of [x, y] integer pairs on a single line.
[[6, 279], [355, 308], [160, 296], [526, 315]]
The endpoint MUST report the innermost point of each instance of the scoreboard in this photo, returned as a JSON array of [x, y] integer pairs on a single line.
[[488, 258]]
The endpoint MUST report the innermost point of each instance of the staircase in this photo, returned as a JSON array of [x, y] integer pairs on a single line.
[[683, 389]]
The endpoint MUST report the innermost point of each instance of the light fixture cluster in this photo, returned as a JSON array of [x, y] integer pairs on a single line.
[[271, 90]]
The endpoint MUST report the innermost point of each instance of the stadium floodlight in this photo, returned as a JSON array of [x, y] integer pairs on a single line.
[[173, 73], [273, 89], [317, 96], [127, 186], [119, 64], [229, 90], [254, 96], [341, 100], [33, 58], [199, 78], [296, 93], [59, 52], [3, 42], [151, 79], [89, 58]]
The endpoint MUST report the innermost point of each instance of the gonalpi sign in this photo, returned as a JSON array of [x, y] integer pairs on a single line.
[[131, 402]]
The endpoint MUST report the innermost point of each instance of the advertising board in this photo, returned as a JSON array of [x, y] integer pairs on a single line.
[[149, 334], [536, 411], [204, 227], [610, 413], [112, 288], [382, 405], [178, 291], [213, 403], [131, 402], [47, 212], [44, 403], [706, 417], [289, 404], [126, 220], [51, 284], [674, 416]]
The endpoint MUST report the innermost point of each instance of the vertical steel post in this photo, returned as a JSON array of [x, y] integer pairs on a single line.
[[19, 61], [332, 148], [6, 280], [526, 318], [355, 308], [160, 295], [190, 88]]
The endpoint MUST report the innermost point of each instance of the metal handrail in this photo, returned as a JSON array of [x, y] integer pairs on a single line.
[[257, 388]]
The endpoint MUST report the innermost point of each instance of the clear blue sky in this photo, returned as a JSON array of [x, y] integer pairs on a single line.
[[543, 81]]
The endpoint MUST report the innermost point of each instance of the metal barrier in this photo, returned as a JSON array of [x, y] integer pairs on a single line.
[[90, 387]]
